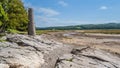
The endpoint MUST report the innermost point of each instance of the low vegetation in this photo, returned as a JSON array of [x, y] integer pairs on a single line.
[[107, 31], [38, 32], [85, 27]]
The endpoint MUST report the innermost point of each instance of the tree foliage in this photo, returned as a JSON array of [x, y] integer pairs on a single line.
[[3, 16], [16, 13]]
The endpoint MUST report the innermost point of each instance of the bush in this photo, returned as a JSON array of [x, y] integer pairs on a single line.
[[12, 31]]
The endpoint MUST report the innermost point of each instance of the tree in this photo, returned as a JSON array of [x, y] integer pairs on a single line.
[[3, 18], [17, 15], [4, 4], [18, 18]]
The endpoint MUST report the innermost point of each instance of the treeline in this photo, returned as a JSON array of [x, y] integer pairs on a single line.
[[84, 27], [13, 15]]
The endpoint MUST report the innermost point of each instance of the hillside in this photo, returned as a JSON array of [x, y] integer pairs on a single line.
[[87, 26]]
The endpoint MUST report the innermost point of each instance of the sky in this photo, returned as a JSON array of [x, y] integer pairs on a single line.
[[49, 13]]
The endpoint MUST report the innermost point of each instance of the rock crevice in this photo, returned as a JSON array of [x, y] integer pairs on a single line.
[[88, 57]]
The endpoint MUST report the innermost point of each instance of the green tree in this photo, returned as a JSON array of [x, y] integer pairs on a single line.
[[3, 18], [17, 14], [4, 4]]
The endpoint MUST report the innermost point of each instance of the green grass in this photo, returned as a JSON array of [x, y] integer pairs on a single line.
[[12, 31], [107, 31], [2, 40], [38, 32]]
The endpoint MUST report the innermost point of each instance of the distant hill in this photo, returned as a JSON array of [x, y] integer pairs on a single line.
[[87, 26]]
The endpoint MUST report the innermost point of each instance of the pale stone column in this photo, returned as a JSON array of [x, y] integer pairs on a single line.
[[31, 24]]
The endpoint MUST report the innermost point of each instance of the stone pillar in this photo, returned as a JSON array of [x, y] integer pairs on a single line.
[[31, 24]]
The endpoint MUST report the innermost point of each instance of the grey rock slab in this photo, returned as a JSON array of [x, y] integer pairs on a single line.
[[4, 66], [23, 51], [86, 57]]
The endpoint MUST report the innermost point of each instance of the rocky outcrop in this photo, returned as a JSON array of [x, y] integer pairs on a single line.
[[22, 51], [45, 51], [88, 57]]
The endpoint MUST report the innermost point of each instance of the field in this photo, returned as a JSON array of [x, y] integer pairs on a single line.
[[108, 31], [39, 32], [103, 39]]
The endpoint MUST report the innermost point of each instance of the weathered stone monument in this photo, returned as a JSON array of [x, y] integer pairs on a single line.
[[31, 24]]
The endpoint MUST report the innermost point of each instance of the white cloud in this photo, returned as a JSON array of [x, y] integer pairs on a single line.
[[27, 4], [42, 21], [63, 3], [53, 21], [46, 12], [46, 16], [45, 19], [103, 7]]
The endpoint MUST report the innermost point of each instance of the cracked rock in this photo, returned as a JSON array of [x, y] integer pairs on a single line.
[[88, 57], [23, 51]]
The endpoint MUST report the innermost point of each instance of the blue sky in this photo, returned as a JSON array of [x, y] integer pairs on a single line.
[[74, 12]]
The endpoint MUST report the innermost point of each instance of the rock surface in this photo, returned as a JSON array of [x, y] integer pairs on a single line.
[[87, 57], [22, 51], [59, 50]]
